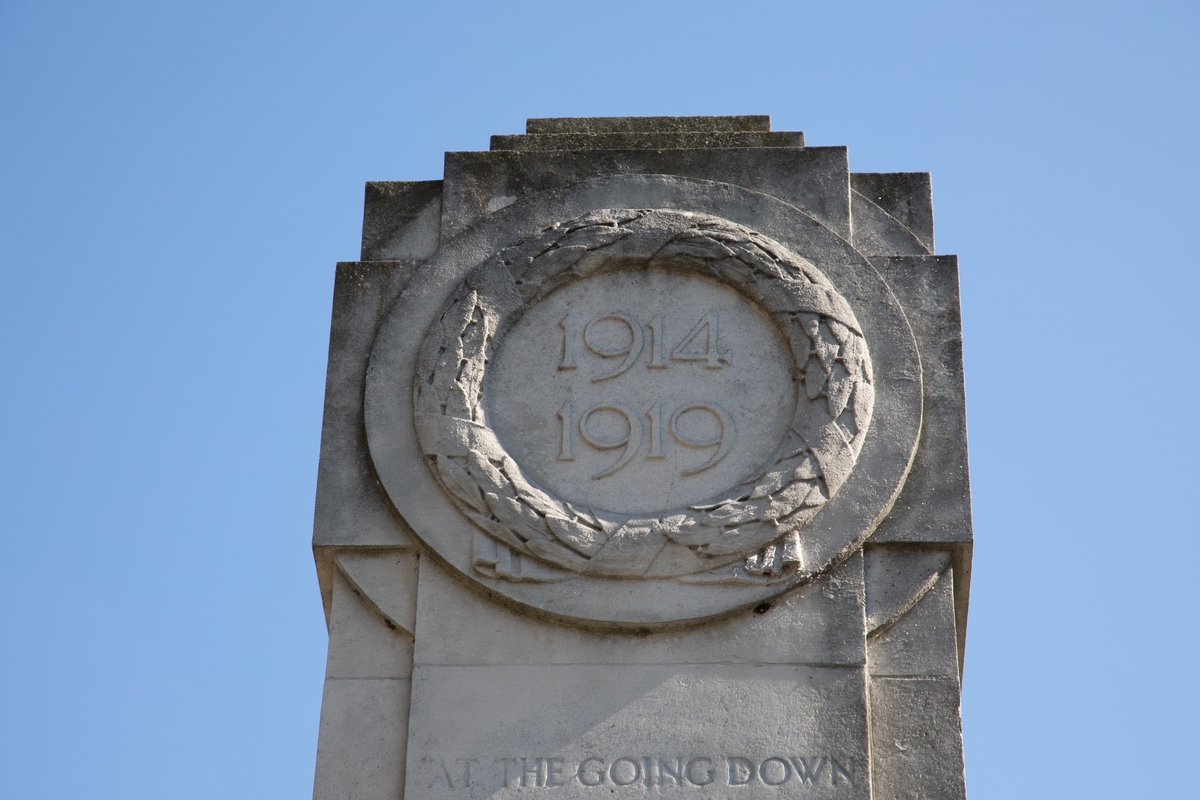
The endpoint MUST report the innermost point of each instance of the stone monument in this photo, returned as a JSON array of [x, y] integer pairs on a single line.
[[644, 473]]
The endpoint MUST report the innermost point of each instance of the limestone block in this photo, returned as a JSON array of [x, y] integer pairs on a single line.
[[920, 640], [350, 510], [751, 122], [364, 712], [639, 140], [401, 220], [896, 578], [362, 741], [821, 623], [813, 179], [935, 505], [584, 731], [877, 233], [387, 581], [362, 643], [906, 197], [916, 739]]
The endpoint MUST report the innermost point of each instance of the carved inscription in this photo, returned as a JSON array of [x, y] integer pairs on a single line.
[[650, 428], [654, 390], [701, 344], [606, 774]]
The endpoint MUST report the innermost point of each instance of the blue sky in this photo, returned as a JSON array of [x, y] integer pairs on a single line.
[[178, 180]]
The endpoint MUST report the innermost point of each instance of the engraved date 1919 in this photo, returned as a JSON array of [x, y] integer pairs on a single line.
[[641, 426]]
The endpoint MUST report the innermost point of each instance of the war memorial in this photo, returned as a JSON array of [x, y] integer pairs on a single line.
[[643, 474]]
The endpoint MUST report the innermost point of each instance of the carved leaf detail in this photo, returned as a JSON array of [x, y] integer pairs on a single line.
[[696, 246], [838, 391], [516, 515], [733, 515], [593, 236], [814, 377], [789, 499], [495, 529], [445, 372], [826, 346], [580, 538], [807, 469], [460, 483], [557, 554], [771, 482], [489, 477]]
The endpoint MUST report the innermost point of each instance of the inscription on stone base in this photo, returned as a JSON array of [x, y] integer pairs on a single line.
[[610, 774]]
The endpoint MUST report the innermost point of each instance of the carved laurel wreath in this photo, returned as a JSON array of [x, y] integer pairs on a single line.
[[756, 522]]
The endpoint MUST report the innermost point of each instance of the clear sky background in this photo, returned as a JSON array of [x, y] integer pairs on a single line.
[[178, 180]]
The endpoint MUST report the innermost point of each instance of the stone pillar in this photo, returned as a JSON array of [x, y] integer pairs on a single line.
[[643, 470]]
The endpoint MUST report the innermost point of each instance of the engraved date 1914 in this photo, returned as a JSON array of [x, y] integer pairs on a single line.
[[702, 343]]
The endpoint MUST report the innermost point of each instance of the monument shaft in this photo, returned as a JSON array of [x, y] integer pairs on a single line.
[[644, 471]]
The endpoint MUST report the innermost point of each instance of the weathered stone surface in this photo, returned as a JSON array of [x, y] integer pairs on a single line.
[[725, 721], [644, 471], [351, 508], [401, 220], [821, 623], [907, 197], [896, 579], [364, 731], [935, 505], [920, 640], [813, 179], [647, 140], [752, 122], [388, 581], [368, 644], [877, 233], [364, 712], [916, 739]]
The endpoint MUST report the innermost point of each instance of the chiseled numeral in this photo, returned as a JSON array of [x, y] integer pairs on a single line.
[[702, 343], [566, 418], [654, 415], [724, 441], [570, 331], [658, 342], [631, 442], [629, 354]]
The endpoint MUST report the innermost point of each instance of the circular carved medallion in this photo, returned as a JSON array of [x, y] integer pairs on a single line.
[[649, 415], [643, 394]]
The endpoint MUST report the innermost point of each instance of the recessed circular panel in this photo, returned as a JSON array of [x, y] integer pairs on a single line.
[[638, 392]]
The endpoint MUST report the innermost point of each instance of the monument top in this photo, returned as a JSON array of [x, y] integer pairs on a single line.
[[644, 465], [750, 122]]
